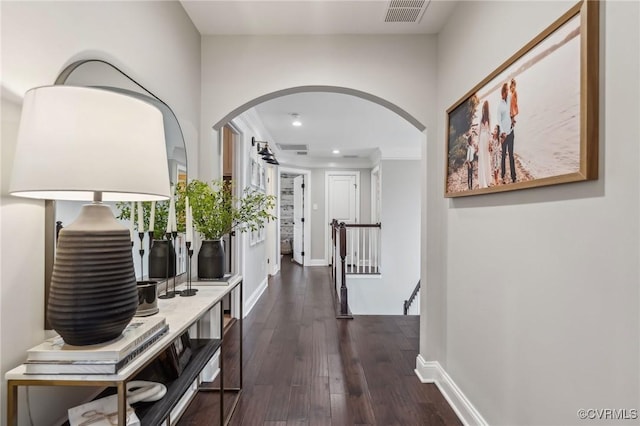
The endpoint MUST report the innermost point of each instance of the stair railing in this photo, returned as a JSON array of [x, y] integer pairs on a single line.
[[407, 303]]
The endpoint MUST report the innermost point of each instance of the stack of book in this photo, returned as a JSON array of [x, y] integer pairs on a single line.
[[54, 356]]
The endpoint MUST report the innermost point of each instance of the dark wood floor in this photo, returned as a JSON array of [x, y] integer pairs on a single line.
[[304, 367]]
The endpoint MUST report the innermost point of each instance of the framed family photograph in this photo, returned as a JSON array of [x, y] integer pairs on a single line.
[[534, 120]]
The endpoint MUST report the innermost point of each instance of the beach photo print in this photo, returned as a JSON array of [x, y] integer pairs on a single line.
[[534, 120]]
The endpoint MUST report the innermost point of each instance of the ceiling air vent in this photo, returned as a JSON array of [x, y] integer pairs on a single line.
[[301, 152], [349, 156], [292, 147], [406, 10]]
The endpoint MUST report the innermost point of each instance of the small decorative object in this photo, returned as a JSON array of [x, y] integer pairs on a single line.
[[189, 238], [189, 291], [217, 212], [102, 142], [147, 298], [100, 412], [534, 120], [175, 256], [145, 391]]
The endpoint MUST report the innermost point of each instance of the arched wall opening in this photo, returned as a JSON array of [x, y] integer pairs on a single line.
[[333, 89], [235, 113]]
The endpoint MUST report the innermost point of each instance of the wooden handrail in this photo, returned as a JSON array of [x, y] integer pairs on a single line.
[[334, 224], [363, 225], [407, 303]]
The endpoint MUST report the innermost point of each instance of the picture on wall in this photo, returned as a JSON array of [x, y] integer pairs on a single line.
[[534, 120], [255, 173]]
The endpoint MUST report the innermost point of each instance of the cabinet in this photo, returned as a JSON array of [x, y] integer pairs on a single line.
[[180, 313]]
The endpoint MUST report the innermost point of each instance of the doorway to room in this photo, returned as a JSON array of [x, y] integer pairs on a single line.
[[293, 215], [342, 201]]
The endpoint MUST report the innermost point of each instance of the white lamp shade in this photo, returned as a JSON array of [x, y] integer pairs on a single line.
[[74, 141]]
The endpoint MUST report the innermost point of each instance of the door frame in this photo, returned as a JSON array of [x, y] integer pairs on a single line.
[[306, 229], [327, 219], [376, 189], [238, 142]]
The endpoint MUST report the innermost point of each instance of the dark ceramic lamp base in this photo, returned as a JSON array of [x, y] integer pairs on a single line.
[[93, 293]]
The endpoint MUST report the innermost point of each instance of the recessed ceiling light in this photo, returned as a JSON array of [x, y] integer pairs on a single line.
[[296, 120], [336, 151]]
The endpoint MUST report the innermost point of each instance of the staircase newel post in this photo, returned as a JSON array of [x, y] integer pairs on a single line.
[[334, 225], [344, 304]]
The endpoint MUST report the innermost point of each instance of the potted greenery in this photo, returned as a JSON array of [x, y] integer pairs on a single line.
[[216, 213], [162, 257]]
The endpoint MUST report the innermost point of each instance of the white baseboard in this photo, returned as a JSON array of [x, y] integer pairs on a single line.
[[316, 262], [253, 298], [275, 269], [432, 372]]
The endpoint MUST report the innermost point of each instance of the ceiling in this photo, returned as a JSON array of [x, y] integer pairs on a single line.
[[354, 126], [261, 17]]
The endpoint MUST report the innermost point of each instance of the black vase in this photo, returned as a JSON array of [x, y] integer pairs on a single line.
[[162, 251], [211, 260]]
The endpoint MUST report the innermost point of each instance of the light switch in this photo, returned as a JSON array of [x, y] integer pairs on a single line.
[[315, 206]]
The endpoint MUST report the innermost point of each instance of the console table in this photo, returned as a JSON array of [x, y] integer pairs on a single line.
[[180, 313]]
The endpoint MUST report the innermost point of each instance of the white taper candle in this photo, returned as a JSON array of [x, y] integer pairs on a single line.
[[132, 218], [152, 216], [172, 213], [140, 217], [189, 225]]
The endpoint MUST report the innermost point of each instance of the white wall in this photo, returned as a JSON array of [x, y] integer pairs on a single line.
[[540, 286], [156, 44], [254, 267], [239, 69], [400, 257]]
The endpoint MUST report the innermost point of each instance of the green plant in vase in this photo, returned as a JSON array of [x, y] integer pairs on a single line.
[[217, 212]]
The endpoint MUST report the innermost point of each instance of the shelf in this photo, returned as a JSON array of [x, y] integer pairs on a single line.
[[152, 413], [201, 352], [180, 313]]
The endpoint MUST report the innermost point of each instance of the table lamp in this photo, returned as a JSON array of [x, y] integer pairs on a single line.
[[81, 143]]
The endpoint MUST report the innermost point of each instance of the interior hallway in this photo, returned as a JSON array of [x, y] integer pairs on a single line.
[[304, 367]]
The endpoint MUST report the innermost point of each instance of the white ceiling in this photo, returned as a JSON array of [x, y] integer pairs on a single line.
[[261, 17], [330, 120]]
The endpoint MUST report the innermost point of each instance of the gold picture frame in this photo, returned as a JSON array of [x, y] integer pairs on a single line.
[[542, 132]]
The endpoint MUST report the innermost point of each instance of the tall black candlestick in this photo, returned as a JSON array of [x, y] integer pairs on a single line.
[[141, 251], [175, 260], [189, 291]]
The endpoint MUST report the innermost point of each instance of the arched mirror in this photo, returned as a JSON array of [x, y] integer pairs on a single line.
[[99, 73]]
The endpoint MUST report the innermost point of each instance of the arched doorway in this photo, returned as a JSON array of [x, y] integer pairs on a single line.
[[239, 111]]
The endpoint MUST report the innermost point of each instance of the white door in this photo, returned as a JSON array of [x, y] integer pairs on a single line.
[[298, 219], [343, 197]]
